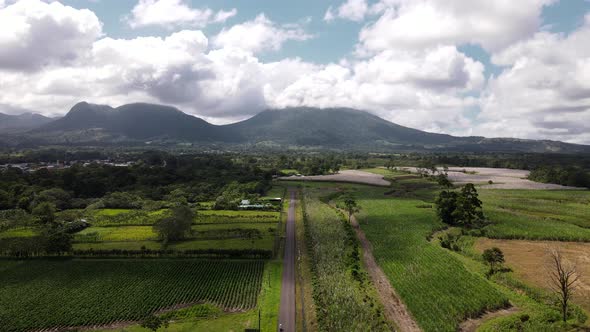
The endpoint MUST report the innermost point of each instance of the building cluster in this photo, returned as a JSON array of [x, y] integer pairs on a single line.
[[32, 167]]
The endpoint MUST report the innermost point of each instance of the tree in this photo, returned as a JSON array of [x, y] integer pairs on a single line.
[[351, 207], [56, 196], [493, 257], [45, 212], [177, 226], [563, 280], [56, 240], [468, 212], [154, 322], [5, 200], [177, 196], [443, 180], [446, 203], [460, 209]]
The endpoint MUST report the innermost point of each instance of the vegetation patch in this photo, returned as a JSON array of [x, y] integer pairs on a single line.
[[88, 292]]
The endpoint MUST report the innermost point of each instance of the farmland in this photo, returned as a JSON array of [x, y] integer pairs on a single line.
[[399, 222], [424, 274], [538, 215], [342, 292], [83, 292]]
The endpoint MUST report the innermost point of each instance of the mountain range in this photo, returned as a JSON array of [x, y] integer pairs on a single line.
[[302, 127], [22, 122]]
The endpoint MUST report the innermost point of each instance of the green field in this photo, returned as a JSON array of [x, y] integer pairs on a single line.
[[230, 216], [537, 214], [205, 236], [438, 290], [87, 292], [18, 232], [211, 319], [342, 292]]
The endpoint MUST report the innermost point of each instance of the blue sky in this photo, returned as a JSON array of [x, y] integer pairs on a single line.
[[332, 40], [463, 67]]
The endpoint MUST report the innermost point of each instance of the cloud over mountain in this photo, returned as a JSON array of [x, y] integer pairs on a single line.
[[408, 64]]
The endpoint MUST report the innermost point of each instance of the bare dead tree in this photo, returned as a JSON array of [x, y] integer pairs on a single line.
[[563, 280]]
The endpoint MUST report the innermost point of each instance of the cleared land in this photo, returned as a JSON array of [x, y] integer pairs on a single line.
[[89, 292], [352, 176], [530, 260], [502, 178]]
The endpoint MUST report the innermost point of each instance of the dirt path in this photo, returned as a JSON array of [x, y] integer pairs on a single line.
[[395, 309], [351, 176], [471, 325], [287, 306]]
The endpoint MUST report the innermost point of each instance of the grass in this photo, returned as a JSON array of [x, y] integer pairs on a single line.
[[231, 216], [528, 258], [306, 319], [19, 232], [218, 236], [537, 214], [87, 292]]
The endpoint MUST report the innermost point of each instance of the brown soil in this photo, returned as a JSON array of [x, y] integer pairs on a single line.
[[395, 309]]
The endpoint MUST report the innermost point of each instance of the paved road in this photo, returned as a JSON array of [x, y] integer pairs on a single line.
[[287, 307]]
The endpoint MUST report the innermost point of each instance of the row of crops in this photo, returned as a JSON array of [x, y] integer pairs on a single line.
[[435, 285], [342, 292], [120, 217], [61, 293]]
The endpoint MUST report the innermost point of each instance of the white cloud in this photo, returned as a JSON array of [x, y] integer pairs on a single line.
[[171, 13], [544, 91], [425, 23], [422, 89], [223, 15], [259, 35], [354, 10], [34, 34]]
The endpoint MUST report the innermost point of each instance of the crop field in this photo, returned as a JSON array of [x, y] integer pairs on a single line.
[[230, 216], [204, 236], [118, 217], [342, 292], [425, 275], [537, 215], [18, 232], [89, 292]]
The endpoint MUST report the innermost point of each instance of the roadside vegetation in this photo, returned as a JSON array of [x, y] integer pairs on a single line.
[[343, 295]]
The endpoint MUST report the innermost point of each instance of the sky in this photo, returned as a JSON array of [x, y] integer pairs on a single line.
[[500, 68]]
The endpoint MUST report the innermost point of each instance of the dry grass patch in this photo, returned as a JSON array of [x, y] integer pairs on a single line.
[[530, 261]]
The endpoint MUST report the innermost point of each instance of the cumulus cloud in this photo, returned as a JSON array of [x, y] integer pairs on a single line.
[[418, 24], [426, 83], [172, 13], [545, 89], [260, 34], [34, 34], [354, 10], [402, 86]]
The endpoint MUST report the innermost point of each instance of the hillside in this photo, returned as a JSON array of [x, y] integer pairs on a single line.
[[136, 122], [303, 127], [22, 122]]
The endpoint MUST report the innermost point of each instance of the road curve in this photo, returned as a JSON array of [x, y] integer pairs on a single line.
[[287, 306]]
